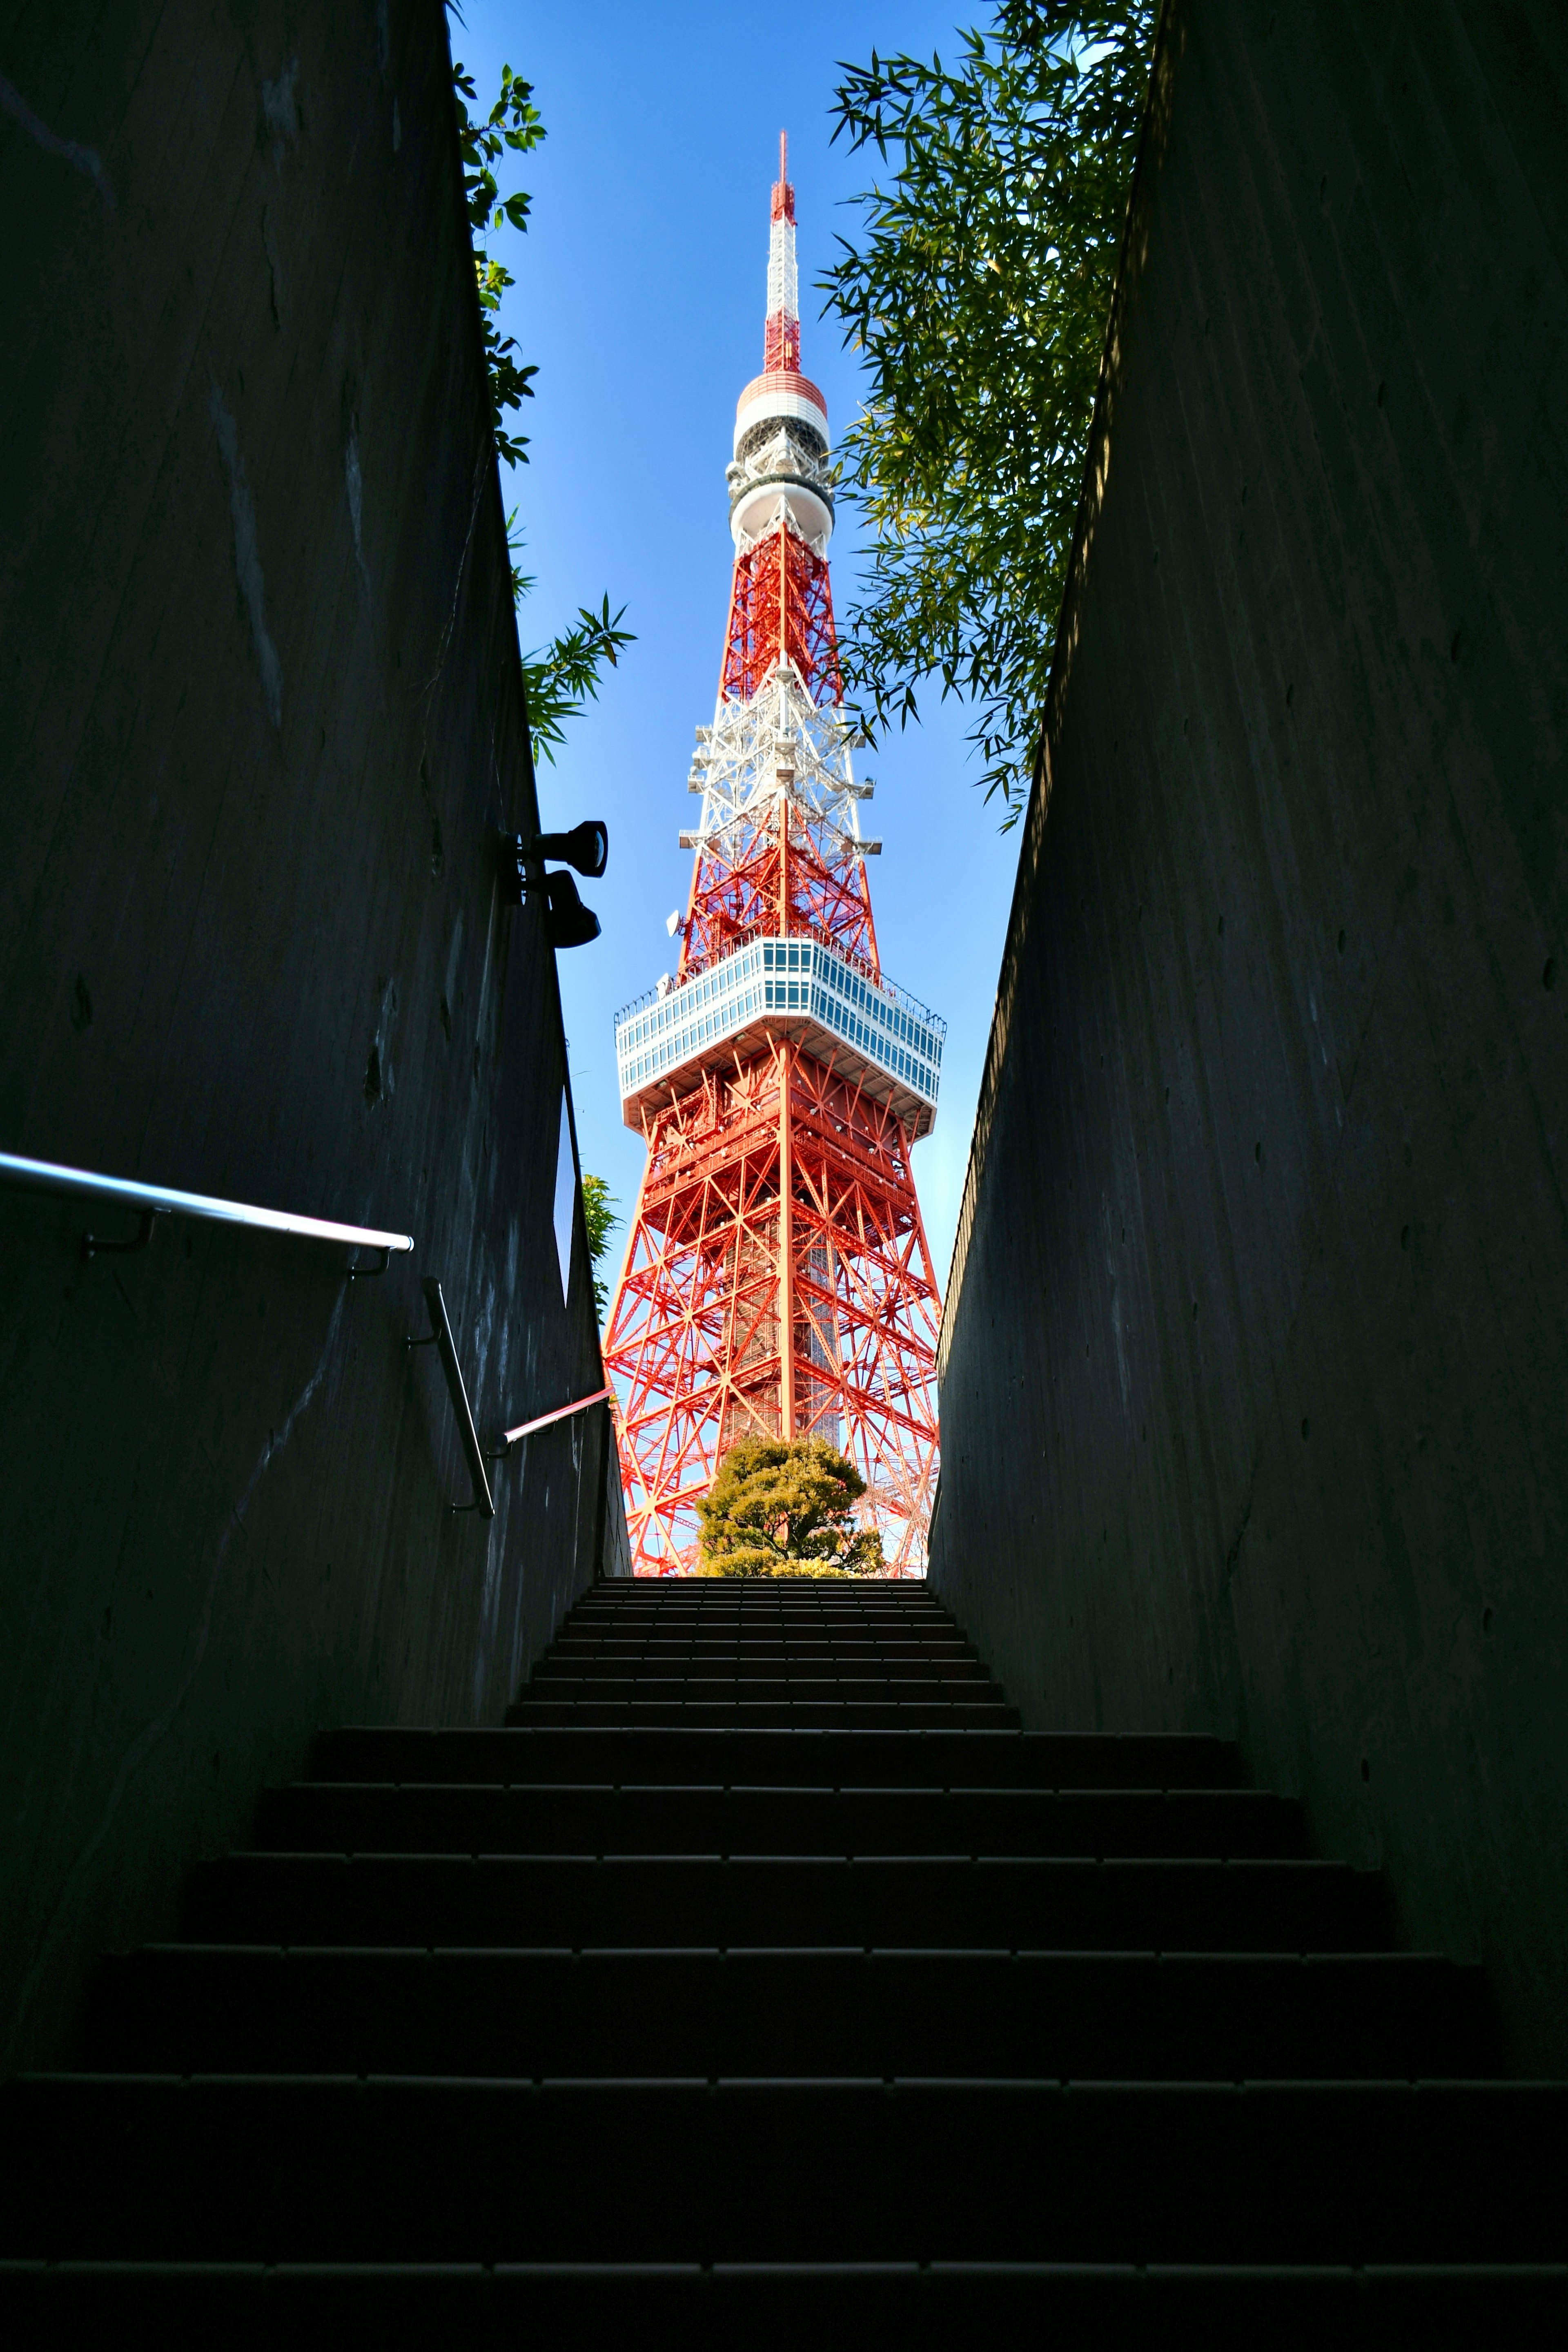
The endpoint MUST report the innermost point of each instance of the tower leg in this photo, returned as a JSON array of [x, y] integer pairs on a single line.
[[786, 1251]]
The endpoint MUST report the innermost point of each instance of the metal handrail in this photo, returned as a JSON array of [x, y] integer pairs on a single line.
[[159, 1201], [510, 1437], [441, 1338], [152, 1201]]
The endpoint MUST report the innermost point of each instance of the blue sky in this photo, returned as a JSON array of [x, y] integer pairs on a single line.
[[640, 294]]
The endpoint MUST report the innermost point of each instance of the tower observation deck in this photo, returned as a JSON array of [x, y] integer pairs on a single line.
[[777, 1279]]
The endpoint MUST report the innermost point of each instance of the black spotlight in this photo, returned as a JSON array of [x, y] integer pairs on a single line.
[[586, 846], [568, 923]]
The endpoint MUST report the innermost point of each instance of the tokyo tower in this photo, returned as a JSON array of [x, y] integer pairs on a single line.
[[777, 1279]]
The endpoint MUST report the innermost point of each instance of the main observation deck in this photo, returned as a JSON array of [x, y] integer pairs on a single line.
[[871, 1031]]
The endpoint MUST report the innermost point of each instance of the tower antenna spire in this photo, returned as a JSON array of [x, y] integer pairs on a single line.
[[777, 1281], [781, 337]]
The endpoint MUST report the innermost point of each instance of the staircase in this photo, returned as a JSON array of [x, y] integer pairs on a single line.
[[761, 1975]]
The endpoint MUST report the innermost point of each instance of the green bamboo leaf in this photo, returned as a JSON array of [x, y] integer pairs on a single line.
[[977, 291]]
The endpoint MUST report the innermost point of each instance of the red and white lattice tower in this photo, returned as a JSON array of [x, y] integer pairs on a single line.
[[778, 1278]]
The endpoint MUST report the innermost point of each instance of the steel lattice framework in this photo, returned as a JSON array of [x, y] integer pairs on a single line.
[[778, 1278]]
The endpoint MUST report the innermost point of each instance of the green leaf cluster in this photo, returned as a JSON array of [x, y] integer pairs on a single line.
[[600, 1218], [564, 676], [561, 678], [512, 122], [785, 1507], [978, 293]]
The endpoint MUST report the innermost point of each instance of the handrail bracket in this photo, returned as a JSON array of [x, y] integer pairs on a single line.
[[439, 1337], [95, 1245]]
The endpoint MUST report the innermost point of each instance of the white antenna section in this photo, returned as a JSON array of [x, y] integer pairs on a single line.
[[783, 278]]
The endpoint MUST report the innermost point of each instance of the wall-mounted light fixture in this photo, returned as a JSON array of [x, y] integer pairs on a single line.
[[586, 846], [568, 923]]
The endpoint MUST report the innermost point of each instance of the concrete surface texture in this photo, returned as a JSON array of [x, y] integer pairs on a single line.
[[1257, 1344], [260, 717]]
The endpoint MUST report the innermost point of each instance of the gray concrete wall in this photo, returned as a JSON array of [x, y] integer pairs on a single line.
[[1256, 1354], [260, 717]]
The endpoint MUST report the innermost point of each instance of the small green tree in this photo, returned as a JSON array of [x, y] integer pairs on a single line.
[[600, 1218], [785, 1507]]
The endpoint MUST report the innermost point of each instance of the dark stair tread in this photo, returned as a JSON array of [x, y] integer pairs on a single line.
[[908, 1636], [455, 1817], [769, 2306], [782, 1713], [728, 1667], [1010, 1901], [1342, 2172], [204, 2008], [643, 1647], [990, 1756], [849, 1641], [758, 1689], [816, 1625], [654, 1641]]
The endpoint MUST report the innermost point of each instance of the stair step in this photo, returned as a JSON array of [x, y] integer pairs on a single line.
[[198, 2009], [794, 1687], [655, 1641], [336, 1816], [776, 1712], [575, 1900], [687, 1625], [908, 1637], [729, 1666], [270, 2168], [767, 2305], [945, 1759]]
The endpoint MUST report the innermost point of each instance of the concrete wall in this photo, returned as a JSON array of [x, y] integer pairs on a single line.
[[260, 717], [1255, 1349]]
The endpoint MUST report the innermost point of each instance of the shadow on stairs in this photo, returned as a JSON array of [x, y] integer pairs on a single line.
[[762, 1975]]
